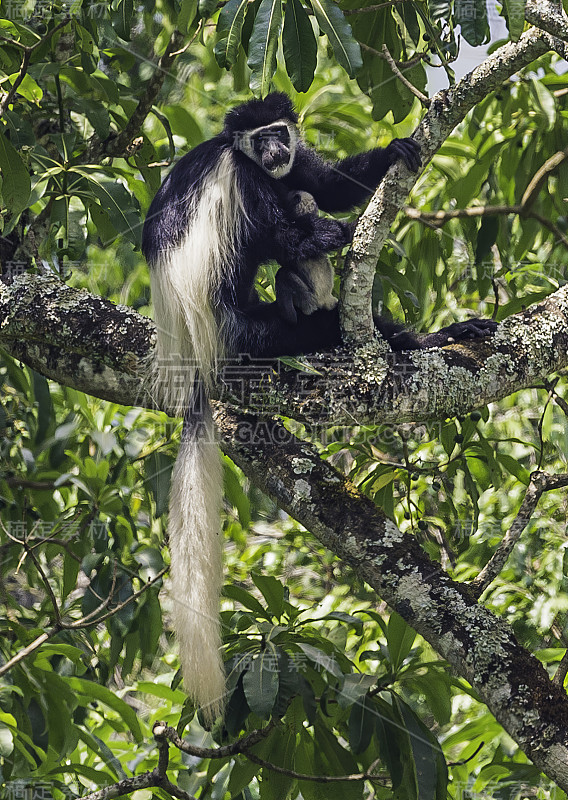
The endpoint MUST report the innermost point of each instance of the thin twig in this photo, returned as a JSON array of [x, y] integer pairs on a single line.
[[155, 778], [118, 144], [252, 738], [416, 59], [243, 746], [27, 51], [302, 776], [84, 622], [524, 209], [539, 483], [410, 86]]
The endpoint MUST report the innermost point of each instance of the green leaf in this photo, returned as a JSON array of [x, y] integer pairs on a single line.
[[272, 590], [234, 492], [245, 599], [300, 46], [472, 17], [16, 184], [429, 761], [260, 683], [486, 238], [514, 13], [151, 627], [322, 659], [361, 724], [122, 19], [264, 44], [479, 468], [275, 785], [28, 88], [93, 691], [231, 20], [514, 467], [332, 22], [116, 201], [544, 101], [186, 14], [206, 8], [42, 397], [105, 228], [158, 468], [400, 638]]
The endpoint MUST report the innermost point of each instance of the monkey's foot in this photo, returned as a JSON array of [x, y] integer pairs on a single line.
[[459, 331]]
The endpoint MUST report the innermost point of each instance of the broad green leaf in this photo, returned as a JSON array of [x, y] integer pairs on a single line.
[[400, 638], [260, 683], [234, 492], [16, 184], [28, 88], [264, 44], [245, 598], [122, 19], [514, 13], [277, 785], [300, 46], [187, 14], [514, 466], [93, 691], [361, 724], [230, 22], [472, 18], [158, 469], [332, 22], [429, 761], [322, 659], [272, 590], [115, 200], [544, 100]]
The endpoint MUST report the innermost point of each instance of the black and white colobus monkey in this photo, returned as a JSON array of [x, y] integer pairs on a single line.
[[218, 215]]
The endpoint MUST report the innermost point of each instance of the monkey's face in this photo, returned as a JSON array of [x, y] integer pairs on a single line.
[[272, 147]]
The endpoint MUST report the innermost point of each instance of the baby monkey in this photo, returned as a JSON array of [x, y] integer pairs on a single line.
[[305, 286]]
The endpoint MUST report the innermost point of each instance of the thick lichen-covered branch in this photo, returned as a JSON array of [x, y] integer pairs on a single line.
[[479, 647], [108, 343], [447, 108], [88, 343], [78, 339], [549, 17]]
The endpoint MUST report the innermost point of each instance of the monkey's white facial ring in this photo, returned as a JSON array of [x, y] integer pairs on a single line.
[[272, 147]]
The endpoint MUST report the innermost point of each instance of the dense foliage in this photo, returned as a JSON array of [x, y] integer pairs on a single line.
[[84, 483]]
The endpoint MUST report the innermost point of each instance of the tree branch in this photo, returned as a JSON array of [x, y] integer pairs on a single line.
[[540, 482], [94, 346], [118, 144], [548, 17], [448, 107], [478, 646], [93, 618], [523, 209], [155, 778], [424, 99], [28, 51]]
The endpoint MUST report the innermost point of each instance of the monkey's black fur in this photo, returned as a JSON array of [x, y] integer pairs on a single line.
[[271, 234], [219, 214]]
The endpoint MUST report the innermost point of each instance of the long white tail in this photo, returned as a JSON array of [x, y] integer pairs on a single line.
[[189, 344], [195, 542]]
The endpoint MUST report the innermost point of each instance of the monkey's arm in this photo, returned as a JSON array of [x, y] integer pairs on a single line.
[[260, 331], [296, 242], [341, 185]]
